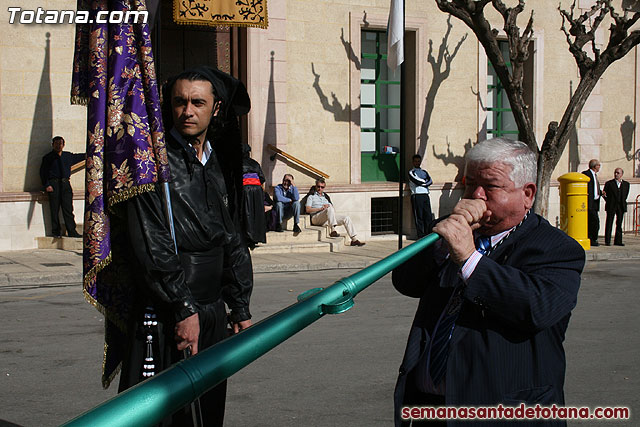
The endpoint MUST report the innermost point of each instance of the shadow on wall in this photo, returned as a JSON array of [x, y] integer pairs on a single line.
[[340, 113], [41, 126], [626, 131], [444, 59], [270, 135], [449, 196], [351, 55], [441, 69], [449, 158], [41, 132]]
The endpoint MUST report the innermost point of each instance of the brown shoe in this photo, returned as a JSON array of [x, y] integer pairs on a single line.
[[334, 234], [357, 243]]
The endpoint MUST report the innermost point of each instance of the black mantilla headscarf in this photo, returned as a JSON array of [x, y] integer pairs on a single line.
[[224, 130]]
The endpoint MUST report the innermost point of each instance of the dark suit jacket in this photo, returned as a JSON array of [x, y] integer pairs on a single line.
[[507, 344], [592, 204], [616, 198], [54, 166]]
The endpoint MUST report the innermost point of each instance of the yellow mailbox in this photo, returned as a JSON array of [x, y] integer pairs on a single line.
[[573, 207]]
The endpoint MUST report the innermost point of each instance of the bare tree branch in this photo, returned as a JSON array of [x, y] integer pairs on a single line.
[[592, 60], [582, 36], [454, 9]]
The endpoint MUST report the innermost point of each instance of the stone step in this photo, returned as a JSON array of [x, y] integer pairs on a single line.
[[310, 247], [287, 242], [65, 243], [312, 239], [288, 236], [305, 221]]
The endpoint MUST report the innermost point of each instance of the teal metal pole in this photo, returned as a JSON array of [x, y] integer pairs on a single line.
[[152, 400]]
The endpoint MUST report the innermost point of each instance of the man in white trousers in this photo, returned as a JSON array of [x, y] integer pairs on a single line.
[[322, 212]]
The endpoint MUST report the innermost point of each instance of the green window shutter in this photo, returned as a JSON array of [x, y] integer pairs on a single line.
[[379, 110]]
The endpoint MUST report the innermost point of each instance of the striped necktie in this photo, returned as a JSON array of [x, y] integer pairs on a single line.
[[445, 326]]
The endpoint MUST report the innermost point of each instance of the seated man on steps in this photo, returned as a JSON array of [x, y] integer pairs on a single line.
[[287, 203], [321, 209]]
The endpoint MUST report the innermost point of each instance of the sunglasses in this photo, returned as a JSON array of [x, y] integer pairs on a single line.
[[320, 186]]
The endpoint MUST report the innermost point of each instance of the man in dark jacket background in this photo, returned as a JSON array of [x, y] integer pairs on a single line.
[[593, 201], [615, 194], [55, 172]]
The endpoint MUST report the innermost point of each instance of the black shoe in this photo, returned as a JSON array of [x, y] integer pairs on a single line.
[[607, 244], [279, 228], [296, 229], [619, 244], [595, 244], [57, 236], [75, 235]]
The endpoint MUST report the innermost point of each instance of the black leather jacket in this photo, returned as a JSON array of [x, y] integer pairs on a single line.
[[203, 225]]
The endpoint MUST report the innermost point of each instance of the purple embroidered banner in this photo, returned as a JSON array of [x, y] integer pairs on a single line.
[[114, 76]]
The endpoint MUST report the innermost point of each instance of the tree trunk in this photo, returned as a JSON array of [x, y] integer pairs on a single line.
[[556, 138], [545, 169]]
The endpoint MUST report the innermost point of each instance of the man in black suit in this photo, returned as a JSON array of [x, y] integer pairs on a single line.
[[55, 172], [593, 203], [491, 321], [615, 194]]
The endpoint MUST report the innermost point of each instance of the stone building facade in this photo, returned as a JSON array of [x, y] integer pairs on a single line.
[[321, 93]]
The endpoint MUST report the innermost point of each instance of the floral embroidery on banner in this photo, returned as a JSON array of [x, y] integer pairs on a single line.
[[114, 75]]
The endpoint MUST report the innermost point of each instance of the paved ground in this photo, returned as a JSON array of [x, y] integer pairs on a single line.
[[51, 266], [339, 371]]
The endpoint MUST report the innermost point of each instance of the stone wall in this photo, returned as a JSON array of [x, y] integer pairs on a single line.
[[303, 79]]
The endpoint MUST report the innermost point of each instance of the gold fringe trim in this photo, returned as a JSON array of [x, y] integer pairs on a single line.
[[129, 193], [104, 312], [228, 24], [79, 100], [91, 274], [106, 382], [91, 300]]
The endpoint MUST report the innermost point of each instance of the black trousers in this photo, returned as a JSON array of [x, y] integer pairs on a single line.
[[593, 224], [61, 197], [421, 205], [212, 330], [619, 215], [415, 397]]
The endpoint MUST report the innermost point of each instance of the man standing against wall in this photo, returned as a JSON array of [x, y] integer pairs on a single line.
[[419, 182], [55, 172], [593, 205], [615, 194]]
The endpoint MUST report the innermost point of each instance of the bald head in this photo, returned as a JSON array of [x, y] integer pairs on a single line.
[[617, 174]]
